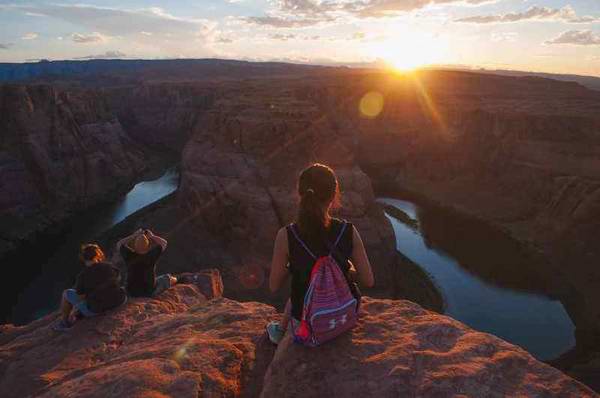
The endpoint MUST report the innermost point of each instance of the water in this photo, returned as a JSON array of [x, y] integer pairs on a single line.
[[487, 279], [41, 294]]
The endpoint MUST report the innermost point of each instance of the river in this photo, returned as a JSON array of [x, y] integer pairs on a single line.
[[488, 280], [41, 294]]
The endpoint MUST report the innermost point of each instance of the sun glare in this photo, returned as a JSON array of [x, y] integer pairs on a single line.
[[405, 51]]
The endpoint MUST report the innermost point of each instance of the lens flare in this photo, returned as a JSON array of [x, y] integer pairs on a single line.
[[371, 104], [182, 353]]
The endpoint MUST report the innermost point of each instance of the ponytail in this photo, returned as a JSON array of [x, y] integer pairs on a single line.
[[319, 190]]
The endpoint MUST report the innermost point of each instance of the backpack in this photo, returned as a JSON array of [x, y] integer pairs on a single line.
[[329, 307]]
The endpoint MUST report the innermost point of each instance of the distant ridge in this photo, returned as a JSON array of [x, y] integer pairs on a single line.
[[115, 70], [591, 82]]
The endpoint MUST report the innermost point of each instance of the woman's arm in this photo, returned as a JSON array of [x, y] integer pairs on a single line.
[[127, 239], [156, 239], [361, 261], [279, 270]]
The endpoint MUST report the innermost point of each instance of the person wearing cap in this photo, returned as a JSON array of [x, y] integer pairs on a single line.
[[97, 288], [141, 252]]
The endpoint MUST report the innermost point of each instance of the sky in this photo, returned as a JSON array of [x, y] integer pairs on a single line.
[[533, 35]]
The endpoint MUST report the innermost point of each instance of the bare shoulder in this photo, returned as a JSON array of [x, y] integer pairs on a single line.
[[281, 242], [282, 236], [282, 232], [356, 238]]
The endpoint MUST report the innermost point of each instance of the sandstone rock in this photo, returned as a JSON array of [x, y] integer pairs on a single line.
[[399, 349], [182, 345], [240, 169], [61, 151], [208, 281], [179, 344]]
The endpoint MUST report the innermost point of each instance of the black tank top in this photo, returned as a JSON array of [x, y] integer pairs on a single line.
[[301, 262]]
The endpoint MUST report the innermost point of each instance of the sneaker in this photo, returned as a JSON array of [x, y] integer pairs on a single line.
[[62, 326], [275, 332]]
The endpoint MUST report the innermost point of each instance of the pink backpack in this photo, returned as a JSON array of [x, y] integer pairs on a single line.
[[329, 308]]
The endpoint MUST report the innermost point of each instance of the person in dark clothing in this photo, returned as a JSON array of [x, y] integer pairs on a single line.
[[97, 288], [319, 193], [141, 251]]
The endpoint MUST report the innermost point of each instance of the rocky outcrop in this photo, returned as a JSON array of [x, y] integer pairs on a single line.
[[161, 115], [239, 172], [399, 349], [60, 151], [181, 344]]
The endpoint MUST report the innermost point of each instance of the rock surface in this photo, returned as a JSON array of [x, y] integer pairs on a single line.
[[400, 350], [179, 344], [183, 345], [60, 151]]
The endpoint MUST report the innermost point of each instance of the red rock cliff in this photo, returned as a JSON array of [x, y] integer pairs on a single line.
[[60, 151]]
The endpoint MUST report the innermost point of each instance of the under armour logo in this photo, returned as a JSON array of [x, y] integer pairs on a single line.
[[333, 322]]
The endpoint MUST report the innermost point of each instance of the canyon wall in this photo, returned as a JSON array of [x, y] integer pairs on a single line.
[[60, 151], [521, 153]]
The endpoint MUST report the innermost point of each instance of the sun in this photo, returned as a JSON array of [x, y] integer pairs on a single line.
[[405, 51]]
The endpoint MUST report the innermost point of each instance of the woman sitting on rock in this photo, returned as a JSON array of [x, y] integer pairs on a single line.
[[141, 251], [97, 288], [315, 236]]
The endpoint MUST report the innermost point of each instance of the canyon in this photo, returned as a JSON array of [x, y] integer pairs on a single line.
[[519, 153]]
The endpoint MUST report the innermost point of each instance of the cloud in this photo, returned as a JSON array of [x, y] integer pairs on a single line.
[[282, 37], [385, 8], [5, 46], [565, 14], [94, 37], [106, 55], [118, 21], [302, 13], [577, 37], [291, 36], [224, 40], [29, 36], [280, 22], [504, 36]]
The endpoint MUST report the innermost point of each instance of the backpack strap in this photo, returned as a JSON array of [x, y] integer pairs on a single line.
[[332, 248], [293, 229], [339, 237]]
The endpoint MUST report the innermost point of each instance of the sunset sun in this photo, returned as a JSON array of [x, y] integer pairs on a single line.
[[406, 51]]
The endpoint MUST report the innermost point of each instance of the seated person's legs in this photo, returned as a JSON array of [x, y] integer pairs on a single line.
[[70, 304], [77, 302], [276, 330], [164, 282], [65, 307]]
